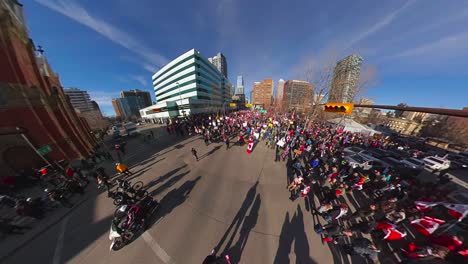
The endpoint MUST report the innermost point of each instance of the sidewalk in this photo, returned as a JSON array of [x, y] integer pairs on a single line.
[[11, 243]]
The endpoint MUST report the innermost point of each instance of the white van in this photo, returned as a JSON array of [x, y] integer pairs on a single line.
[[436, 163]]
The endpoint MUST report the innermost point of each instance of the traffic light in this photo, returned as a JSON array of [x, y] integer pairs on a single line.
[[339, 108]]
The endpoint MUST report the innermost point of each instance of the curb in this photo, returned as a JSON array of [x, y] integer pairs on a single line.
[[34, 234]]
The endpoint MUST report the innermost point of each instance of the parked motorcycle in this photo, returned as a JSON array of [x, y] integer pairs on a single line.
[[130, 220]]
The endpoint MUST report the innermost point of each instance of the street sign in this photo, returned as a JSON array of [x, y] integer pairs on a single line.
[[263, 111], [339, 108], [232, 105], [44, 150], [248, 105]]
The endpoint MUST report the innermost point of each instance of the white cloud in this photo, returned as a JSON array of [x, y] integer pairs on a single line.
[[386, 20], [453, 44], [139, 78], [103, 98], [74, 11]]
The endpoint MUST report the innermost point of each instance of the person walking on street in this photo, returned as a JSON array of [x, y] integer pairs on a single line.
[[194, 153], [227, 143]]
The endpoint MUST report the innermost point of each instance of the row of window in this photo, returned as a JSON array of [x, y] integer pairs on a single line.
[[208, 85], [207, 67]]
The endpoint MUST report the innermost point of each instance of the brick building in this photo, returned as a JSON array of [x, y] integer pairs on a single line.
[[262, 93], [33, 106]]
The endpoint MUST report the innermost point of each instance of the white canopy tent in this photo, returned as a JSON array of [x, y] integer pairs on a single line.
[[352, 126]]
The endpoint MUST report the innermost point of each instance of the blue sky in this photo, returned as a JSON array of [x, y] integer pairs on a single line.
[[419, 48]]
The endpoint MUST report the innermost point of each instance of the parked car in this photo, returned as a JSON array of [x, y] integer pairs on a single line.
[[398, 154], [378, 153], [392, 162], [459, 164], [352, 150], [366, 162], [436, 163], [413, 163]]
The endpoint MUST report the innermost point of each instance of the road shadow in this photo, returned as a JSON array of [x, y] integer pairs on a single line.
[[174, 198], [168, 183], [163, 177], [229, 235], [209, 152], [293, 231]]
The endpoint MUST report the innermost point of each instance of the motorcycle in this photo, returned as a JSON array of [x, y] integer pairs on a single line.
[[130, 220]]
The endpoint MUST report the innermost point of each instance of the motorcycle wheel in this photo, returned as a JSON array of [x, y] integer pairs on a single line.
[[137, 185], [141, 194], [118, 244]]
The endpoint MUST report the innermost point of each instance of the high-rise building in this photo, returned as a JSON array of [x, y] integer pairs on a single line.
[[297, 95], [144, 95], [345, 79], [279, 92], [415, 116], [128, 107], [219, 61], [240, 85], [188, 84], [262, 93], [35, 113], [79, 99]]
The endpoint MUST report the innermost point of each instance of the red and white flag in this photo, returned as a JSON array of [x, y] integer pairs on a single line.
[[424, 206], [250, 146], [391, 231], [427, 225], [458, 211]]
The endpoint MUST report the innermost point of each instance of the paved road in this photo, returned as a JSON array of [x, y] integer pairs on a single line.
[[229, 200]]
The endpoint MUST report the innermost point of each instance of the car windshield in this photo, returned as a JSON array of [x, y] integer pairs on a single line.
[[435, 160], [358, 158]]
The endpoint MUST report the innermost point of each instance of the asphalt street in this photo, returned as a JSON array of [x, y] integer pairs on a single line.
[[230, 201]]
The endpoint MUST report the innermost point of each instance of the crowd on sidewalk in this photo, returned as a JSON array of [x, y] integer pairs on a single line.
[[387, 201]]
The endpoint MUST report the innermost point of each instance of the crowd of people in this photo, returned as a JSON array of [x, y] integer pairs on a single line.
[[385, 200]]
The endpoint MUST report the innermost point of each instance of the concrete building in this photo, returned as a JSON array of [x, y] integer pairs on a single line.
[[262, 93], [297, 95], [219, 61], [345, 79], [144, 95], [79, 99], [279, 93], [85, 108], [415, 116], [189, 84], [403, 126], [360, 111], [35, 113]]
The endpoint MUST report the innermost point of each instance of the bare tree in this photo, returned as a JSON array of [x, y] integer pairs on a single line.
[[367, 80], [318, 71]]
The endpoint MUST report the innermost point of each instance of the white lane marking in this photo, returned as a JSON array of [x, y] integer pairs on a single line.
[[156, 248], [58, 248]]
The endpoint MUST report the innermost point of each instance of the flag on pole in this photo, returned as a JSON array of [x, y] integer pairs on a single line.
[[427, 225]]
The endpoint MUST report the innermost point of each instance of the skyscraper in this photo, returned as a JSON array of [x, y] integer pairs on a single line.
[[280, 91], [345, 79], [297, 95], [240, 85], [128, 107], [262, 93], [219, 61], [79, 99], [144, 95]]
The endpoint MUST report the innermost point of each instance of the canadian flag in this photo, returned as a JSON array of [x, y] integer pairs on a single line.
[[424, 206], [391, 231], [458, 211], [250, 145], [427, 225]]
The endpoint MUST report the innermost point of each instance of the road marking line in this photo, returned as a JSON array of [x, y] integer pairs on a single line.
[[59, 246], [156, 248]]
